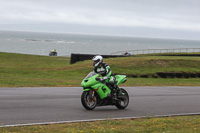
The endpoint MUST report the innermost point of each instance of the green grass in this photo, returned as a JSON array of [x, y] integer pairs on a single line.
[[153, 64], [163, 82], [19, 70], [182, 124]]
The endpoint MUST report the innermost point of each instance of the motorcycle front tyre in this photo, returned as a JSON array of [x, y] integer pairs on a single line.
[[87, 102]]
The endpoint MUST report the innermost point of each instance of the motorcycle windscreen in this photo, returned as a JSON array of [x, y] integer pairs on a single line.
[[90, 75]]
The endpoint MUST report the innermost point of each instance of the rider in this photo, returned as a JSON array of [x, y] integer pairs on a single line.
[[53, 51], [104, 70]]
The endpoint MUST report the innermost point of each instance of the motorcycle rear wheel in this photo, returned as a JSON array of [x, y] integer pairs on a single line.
[[122, 104], [87, 102]]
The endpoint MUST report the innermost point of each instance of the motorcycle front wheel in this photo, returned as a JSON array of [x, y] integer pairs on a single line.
[[88, 103], [123, 103]]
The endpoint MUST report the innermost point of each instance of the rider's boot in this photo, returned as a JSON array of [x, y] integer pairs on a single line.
[[120, 95], [109, 95], [113, 88]]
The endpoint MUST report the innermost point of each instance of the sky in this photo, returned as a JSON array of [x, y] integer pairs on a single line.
[[137, 18]]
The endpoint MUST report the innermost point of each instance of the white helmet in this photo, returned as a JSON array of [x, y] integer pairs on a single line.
[[98, 59]]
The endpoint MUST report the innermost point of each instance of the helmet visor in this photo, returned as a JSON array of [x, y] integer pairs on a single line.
[[95, 62]]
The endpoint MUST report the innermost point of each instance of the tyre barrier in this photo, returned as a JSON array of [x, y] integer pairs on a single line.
[[81, 57], [166, 75]]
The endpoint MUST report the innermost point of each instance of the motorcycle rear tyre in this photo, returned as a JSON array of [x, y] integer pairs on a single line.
[[119, 105]]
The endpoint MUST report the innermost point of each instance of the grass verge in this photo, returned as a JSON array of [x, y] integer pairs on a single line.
[[183, 124]]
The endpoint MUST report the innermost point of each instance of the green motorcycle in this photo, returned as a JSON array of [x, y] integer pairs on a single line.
[[98, 93]]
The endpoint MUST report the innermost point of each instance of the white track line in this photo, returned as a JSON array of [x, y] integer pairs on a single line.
[[92, 120]]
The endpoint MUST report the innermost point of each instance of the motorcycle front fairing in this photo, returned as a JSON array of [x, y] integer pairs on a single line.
[[102, 90], [91, 82]]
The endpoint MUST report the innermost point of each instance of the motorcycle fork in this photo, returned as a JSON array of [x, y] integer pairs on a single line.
[[91, 94]]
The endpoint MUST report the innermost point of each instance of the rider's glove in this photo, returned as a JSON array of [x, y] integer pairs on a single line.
[[101, 79], [98, 79]]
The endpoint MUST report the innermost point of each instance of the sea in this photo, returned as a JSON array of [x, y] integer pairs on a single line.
[[40, 43]]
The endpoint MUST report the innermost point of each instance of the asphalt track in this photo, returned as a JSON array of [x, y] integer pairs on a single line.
[[56, 104]]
